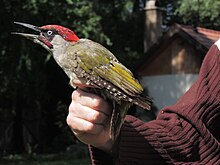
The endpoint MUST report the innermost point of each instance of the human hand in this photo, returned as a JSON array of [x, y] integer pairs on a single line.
[[88, 118]]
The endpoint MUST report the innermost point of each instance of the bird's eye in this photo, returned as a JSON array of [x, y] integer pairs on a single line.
[[49, 32]]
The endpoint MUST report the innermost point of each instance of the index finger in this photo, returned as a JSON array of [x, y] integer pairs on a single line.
[[91, 100]]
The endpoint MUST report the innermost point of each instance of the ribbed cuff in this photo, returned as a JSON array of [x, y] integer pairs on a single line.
[[138, 143], [99, 157]]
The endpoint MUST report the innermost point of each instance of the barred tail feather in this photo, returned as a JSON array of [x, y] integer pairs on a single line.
[[143, 102], [117, 118]]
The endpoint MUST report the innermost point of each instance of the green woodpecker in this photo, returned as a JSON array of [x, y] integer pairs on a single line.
[[95, 68]]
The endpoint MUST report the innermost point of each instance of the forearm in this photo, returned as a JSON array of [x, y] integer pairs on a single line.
[[171, 140], [146, 143]]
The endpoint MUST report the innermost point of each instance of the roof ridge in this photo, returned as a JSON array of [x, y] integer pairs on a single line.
[[200, 29], [208, 30]]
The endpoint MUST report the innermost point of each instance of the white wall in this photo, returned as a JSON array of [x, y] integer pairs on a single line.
[[167, 89]]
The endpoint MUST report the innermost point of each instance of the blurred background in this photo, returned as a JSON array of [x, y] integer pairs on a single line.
[[162, 42]]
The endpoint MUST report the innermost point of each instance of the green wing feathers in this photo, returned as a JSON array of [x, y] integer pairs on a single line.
[[98, 61]]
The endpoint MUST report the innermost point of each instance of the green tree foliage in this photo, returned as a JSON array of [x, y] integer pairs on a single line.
[[204, 13], [200, 12]]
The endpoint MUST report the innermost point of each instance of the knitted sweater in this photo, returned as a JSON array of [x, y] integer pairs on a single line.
[[185, 133]]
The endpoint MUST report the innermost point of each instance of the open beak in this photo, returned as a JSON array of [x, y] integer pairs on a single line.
[[37, 38], [26, 35]]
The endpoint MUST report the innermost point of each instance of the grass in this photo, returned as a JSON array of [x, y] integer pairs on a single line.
[[48, 159]]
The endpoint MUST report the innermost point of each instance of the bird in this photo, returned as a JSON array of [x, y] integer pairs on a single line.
[[93, 68]]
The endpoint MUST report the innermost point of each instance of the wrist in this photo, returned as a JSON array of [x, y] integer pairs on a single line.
[[106, 147]]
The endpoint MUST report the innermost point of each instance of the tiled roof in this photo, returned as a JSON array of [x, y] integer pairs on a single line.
[[204, 36], [201, 38]]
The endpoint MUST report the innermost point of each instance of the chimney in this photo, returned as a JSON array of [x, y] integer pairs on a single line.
[[153, 23]]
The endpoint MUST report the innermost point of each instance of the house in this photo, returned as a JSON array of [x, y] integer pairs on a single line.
[[172, 60]]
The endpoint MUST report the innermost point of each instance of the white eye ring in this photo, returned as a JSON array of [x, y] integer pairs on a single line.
[[49, 32]]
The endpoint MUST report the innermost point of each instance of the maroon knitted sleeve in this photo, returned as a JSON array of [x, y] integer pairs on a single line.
[[185, 133]]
